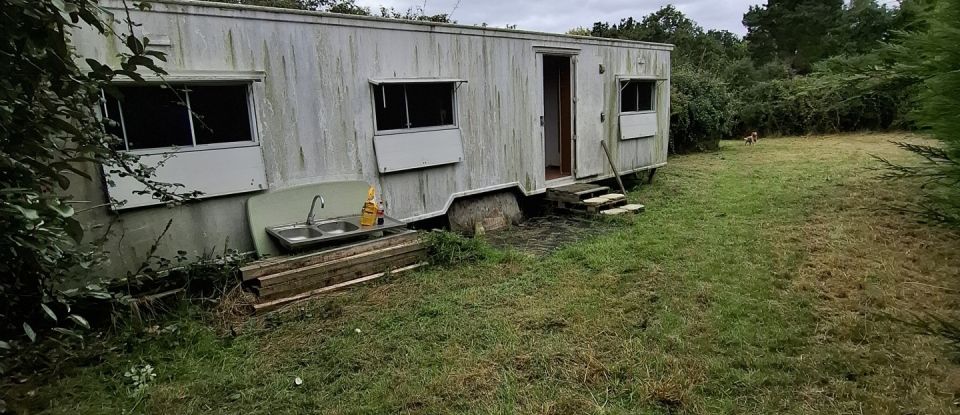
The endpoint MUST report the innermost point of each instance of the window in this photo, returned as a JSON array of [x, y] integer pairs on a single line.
[[402, 106], [636, 95], [185, 115]]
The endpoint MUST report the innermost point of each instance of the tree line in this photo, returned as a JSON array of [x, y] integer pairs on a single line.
[[819, 66], [804, 66]]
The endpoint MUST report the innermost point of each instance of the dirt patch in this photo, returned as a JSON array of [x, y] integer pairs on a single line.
[[542, 235]]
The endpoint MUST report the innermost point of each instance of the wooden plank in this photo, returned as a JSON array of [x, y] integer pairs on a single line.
[[347, 274], [562, 197], [311, 270], [582, 188], [595, 201], [281, 302], [279, 265], [574, 193], [332, 277], [604, 206], [286, 263], [613, 196]]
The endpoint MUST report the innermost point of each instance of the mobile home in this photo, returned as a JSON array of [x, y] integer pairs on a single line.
[[426, 113]]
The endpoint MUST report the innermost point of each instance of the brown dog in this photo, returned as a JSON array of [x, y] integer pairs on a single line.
[[751, 139]]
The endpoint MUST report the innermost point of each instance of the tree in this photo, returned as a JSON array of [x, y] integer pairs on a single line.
[[331, 6], [702, 103], [49, 131], [865, 25], [414, 14], [932, 56], [284, 4], [799, 32], [694, 47]]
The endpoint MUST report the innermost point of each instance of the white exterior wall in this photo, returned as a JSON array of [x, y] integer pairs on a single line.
[[314, 108]]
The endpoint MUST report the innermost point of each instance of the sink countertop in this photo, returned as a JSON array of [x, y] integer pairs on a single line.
[[326, 237]]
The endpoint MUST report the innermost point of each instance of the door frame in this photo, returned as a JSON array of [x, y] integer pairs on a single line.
[[572, 54]]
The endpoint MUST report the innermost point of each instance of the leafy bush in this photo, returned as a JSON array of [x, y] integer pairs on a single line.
[[843, 94], [702, 110], [49, 131]]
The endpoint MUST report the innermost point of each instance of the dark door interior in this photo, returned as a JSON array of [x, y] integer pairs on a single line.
[[557, 117]]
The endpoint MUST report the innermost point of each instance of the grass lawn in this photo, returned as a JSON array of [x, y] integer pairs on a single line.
[[761, 279]]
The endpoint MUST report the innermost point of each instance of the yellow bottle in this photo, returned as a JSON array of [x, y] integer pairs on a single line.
[[368, 217]]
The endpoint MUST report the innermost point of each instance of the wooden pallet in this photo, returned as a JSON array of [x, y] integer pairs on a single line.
[[575, 193], [280, 281], [590, 199]]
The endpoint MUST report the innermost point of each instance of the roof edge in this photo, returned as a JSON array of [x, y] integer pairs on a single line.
[[479, 29]]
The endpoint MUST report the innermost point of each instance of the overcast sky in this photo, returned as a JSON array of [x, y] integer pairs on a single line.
[[562, 15]]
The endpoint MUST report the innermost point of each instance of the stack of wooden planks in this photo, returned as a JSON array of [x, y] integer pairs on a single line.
[[285, 280]]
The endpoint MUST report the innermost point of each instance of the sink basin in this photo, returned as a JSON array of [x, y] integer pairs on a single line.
[[336, 227], [299, 233], [297, 236]]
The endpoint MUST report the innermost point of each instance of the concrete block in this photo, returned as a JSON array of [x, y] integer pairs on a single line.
[[493, 211]]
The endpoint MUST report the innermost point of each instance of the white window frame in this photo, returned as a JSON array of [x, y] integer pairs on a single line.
[[383, 83], [653, 94], [251, 115]]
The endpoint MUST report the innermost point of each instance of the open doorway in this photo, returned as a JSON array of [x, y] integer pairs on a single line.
[[557, 117]]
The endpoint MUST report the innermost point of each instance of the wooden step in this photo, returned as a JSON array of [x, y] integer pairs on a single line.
[[622, 210], [634, 208], [575, 193]]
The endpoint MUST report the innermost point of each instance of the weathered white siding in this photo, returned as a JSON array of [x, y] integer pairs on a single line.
[[314, 107]]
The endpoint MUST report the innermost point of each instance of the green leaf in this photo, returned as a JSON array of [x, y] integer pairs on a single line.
[[4, 345], [99, 295], [74, 229], [140, 61], [134, 44], [30, 333], [68, 332], [49, 312], [62, 209], [62, 180], [79, 320], [30, 214]]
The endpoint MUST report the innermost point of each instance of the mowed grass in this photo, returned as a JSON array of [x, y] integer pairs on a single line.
[[761, 279]]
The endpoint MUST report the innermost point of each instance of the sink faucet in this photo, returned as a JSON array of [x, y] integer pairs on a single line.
[[312, 206]]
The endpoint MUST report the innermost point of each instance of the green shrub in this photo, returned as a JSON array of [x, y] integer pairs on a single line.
[[702, 111], [448, 248], [843, 94]]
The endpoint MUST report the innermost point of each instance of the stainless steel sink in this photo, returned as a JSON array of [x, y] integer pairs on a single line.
[[336, 227], [299, 233], [297, 236]]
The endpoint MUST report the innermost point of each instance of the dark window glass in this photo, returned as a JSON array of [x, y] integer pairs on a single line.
[[157, 117], [220, 113], [391, 108], [154, 117], [112, 121], [430, 104], [636, 96], [413, 105]]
